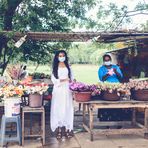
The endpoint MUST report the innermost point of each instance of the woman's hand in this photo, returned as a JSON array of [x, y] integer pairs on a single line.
[[64, 80]]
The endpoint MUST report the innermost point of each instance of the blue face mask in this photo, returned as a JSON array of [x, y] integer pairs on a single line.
[[61, 59]]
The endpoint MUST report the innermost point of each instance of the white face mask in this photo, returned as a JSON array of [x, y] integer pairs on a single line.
[[61, 59], [107, 63]]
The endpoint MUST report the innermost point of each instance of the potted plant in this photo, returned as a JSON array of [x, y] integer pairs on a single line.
[[11, 95], [35, 92], [83, 92], [114, 91], [139, 89]]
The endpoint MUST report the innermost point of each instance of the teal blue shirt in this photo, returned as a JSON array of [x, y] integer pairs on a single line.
[[114, 78]]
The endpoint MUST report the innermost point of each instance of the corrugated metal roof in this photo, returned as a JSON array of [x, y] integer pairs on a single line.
[[106, 37]]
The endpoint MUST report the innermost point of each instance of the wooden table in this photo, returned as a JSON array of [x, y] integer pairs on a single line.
[[40, 110], [100, 104]]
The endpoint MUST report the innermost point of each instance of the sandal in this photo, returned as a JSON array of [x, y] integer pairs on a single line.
[[68, 135], [59, 134]]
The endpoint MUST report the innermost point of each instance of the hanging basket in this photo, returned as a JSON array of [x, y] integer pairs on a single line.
[[110, 96], [140, 95], [35, 100], [82, 96]]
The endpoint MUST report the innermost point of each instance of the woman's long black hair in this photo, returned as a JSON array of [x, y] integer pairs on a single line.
[[56, 64]]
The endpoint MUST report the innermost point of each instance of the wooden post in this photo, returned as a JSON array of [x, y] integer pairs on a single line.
[[23, 128], [43, 126], [79, 106], [83, 113], [91, 122], [134, 117], [146, 123]]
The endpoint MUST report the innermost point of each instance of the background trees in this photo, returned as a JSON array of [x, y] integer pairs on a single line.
[[38, 15]]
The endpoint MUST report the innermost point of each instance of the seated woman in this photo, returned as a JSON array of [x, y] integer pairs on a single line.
[[109, 72]]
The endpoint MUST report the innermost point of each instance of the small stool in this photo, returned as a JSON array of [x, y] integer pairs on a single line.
[[5, 120], [41, 110]]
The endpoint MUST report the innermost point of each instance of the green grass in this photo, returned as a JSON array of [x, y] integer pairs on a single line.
[[86, 73], [41, 69], [82, 72]]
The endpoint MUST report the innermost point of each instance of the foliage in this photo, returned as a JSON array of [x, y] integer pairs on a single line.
[[144, 26], [88, 53], [55, 15], [38, 15], [42, 75]]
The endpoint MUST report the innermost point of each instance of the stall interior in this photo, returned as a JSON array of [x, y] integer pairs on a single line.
[[133, 61]]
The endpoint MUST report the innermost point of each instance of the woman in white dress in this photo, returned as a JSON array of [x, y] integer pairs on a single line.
[[62, 101]]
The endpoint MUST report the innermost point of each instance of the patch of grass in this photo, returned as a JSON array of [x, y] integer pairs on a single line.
[[86, 73]]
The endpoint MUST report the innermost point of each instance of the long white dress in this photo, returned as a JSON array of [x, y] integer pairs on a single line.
[[62, 111]]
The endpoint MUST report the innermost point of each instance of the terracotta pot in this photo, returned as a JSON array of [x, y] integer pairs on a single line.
[[82, 96], [110, 96], [35, 100], [140, 95]]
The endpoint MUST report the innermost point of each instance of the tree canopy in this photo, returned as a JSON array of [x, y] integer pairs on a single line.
[[54, 15]]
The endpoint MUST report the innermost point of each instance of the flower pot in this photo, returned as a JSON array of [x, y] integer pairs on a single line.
[[12, 106], [82, 96], [110, 96], [140, 95], [35, 100]]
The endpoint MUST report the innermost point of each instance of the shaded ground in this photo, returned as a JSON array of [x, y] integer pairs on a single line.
[[81, 138]]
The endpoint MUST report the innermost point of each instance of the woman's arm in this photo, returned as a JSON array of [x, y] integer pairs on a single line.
[[105, 77], [57, 81], [101, 74], [118, 72]]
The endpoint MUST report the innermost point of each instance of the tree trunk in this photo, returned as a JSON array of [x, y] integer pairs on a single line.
[[8, 16]]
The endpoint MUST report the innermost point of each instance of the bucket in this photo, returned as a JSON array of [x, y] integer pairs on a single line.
[[35, 100], [12, 107]]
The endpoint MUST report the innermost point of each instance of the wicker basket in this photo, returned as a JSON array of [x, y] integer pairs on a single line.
[[82, 96], [140, 95], [110, 96]]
